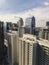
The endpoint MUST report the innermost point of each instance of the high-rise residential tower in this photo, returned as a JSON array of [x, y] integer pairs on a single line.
[[12, 39], [27, 50], [43, 52], [1, 42], [33, 51], [20, 27]]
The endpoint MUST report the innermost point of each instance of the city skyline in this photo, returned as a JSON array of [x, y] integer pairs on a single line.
[[10, 9]]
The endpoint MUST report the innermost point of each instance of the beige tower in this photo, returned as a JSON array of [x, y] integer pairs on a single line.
[[33, 51], [26, 49], [12, 47]]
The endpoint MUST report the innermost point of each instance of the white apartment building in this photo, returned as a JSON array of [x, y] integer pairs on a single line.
[[26, 49], [33, 51], [12, 39], [44, 33]]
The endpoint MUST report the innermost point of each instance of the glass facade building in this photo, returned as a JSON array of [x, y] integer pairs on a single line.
[[47, 23], [30, 23]]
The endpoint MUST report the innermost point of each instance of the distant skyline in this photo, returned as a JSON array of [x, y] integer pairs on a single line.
[[11, 9]]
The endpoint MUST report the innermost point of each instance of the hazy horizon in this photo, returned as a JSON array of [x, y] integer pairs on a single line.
[[10, 9]]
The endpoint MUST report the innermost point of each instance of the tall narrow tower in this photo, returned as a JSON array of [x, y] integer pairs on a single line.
[[30, 25], [33, 25], [1, 42]]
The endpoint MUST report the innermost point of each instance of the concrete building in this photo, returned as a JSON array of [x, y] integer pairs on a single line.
[[43, 52], [12, 39], [1, 42], [44, 33], [27, 46], [33, 51], [20, 27]]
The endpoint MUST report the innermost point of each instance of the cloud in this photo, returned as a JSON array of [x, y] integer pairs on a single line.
[[46, 3], [37, 12], [41, 14]]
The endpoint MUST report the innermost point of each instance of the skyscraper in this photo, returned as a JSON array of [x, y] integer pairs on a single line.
[[43, 52], [33, 25], [33, 51], [12, 39], [20, 24], [1, 42], [27, 50], [30, 23], [44, 33]]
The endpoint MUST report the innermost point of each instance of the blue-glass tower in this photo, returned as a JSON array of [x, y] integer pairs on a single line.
[[47, 23], [33, 25], [30, 25]]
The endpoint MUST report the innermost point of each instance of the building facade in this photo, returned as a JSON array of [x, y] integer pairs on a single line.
[[1, 42], [33, 51], [27, 50], [30, 23], [43, 52], [12, 39], [44, 33]]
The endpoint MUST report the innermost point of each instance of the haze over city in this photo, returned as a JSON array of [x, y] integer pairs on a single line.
[[11, 9]]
